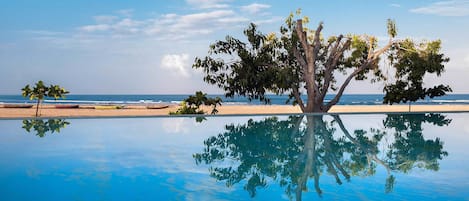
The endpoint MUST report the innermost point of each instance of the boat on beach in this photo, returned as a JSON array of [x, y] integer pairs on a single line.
[[86, 106], [108, 107], [66, 106], [17, 105], [157, 106]]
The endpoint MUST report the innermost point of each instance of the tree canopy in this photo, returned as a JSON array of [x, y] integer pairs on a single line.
[[40, 91], [413, 61], [299, 60]]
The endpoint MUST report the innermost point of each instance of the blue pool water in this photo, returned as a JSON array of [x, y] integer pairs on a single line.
[[345, 157]]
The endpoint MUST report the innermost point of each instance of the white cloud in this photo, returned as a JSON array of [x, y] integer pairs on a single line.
[[254, 8], [395, 5], [177, 63], [466, 59], [445, 8], [95, 28], [269, 21], [169, 26], [44, 32], [125, 12], [203, 23], [123, 26], [105, 19], [203, 18], [233, 20], [208, 4], [127, 25]]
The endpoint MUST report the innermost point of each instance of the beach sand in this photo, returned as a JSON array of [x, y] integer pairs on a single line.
[[137, 111]]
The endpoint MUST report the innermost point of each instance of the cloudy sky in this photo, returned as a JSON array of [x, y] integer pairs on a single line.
[[148, 46]]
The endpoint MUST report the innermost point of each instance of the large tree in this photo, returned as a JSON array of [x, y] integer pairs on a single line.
[[300, 60]]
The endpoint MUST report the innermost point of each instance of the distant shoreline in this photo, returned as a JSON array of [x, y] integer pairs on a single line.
[[141, 111], [132, 99]]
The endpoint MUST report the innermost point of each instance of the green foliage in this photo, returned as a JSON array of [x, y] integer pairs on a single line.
[[56, 92], [191, 105], [252, 74], [41, 127], [392, 30], [40, 91], [412, 62], [252, 69]]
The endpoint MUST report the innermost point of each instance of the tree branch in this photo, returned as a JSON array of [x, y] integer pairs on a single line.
[[339, 54], [370, 49], [325, 53], [302, 35], [332, 63], [336, 99], [328, 70], [317, 42], [377, 53], [297, 96], [367, 64], [299, 57], [317, 47], [336, 46]]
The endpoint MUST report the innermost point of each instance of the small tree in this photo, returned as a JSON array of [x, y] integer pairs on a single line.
[[40, 91], [191, 105], [413, 62]]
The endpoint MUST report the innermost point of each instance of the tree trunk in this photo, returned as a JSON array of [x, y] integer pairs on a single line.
[[37, 107], [314, 106]]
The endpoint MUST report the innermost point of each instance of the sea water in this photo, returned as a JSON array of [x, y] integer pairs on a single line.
[[347, 99]]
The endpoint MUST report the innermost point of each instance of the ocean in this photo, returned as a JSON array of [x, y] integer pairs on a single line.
[[347, 99]]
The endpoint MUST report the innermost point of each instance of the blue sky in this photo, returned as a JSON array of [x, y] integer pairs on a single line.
[[147, 47]]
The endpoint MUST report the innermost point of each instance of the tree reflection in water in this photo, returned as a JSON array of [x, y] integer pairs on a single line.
[[300, 148], [41, 127]]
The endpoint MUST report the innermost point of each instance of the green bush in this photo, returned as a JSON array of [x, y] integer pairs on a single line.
[[191, 105]]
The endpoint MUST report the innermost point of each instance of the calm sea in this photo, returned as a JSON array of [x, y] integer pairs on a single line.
[[347, 99]]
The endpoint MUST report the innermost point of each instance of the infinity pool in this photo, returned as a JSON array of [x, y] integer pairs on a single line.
[[342, 157]]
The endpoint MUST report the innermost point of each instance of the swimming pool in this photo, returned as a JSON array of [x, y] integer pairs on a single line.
[[341, 157]]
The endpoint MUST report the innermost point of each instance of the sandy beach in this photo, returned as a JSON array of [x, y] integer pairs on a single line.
[[137, 111]]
